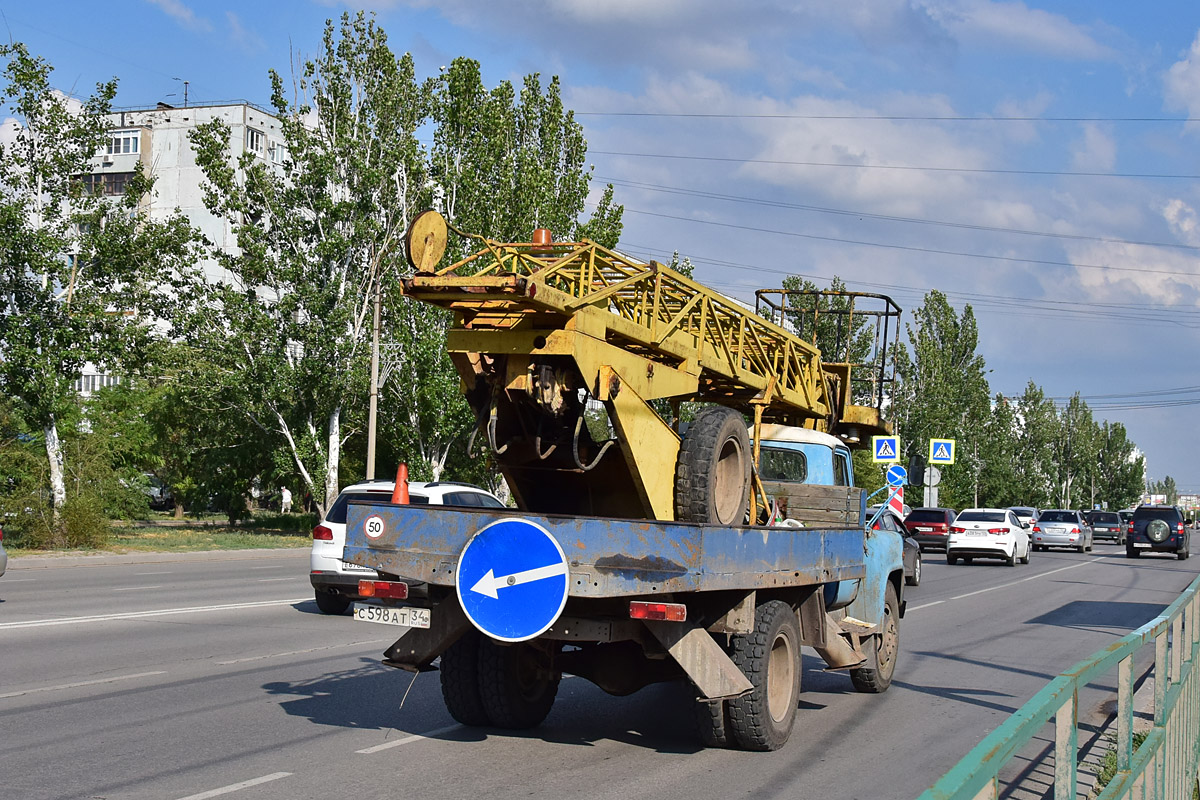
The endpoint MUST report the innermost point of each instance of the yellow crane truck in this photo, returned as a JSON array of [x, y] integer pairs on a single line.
[[642, 550]]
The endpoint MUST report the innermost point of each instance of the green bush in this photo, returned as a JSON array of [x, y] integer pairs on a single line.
[[84, 524]]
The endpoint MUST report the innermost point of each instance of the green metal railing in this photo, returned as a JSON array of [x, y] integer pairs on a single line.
[[1163, 766]]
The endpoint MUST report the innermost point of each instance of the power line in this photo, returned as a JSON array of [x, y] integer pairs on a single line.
[[885, 217], [901, 167], [877, 117], [913, 248], [1137, 314]]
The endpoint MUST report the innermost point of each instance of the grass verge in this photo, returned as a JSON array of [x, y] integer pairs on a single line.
[[283, 532]]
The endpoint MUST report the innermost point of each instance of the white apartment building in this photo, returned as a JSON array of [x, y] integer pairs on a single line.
[[157, 138]]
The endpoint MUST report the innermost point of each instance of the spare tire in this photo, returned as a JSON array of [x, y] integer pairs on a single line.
[[1158, 530], [712, 475]]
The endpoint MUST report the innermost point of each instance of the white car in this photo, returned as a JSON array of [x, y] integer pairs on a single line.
[[987, 533], [335, 582]]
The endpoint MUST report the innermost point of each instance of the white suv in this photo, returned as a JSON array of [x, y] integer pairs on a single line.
[[335, 582]]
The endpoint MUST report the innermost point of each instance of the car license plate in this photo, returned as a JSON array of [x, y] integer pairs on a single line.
[[1141, 544], [976, 533], [348, 567], [924, 530], [408, 616]]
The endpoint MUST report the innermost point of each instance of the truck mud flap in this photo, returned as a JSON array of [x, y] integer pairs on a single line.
[[416, 649], [838, 652], [709, 667]]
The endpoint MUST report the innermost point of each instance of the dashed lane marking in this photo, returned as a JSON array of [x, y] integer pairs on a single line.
[[233, 787], [77, 684], [161, 612], [406, 740]]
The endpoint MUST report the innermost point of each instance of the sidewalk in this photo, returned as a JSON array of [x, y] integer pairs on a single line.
[[53, 560]]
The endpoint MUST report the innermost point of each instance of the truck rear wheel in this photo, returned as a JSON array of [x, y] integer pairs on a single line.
[[460, 681], [516, 684], [882, 649], [330, 603], [712, 475], [770, 658]]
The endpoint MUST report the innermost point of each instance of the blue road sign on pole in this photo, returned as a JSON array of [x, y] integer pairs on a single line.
[[885, 449], [941, 451], [897, 475], [512, 580]]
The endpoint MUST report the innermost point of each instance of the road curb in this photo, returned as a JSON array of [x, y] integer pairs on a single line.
[[116, 559]]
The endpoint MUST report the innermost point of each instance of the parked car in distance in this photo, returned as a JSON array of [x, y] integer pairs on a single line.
[[1025, 514], [890, 521], [930, 526], [335, 582], [1106, 525], [1158, 529], [1062, 527], [987, 533]]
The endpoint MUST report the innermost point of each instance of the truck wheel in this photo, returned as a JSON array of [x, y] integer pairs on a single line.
[[712, 475], [460, 681], [516, 684], [712, 723], [770, 658], [331, 603], [882, 650]]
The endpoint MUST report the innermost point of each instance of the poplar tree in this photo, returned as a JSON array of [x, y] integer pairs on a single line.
[[84, 278]]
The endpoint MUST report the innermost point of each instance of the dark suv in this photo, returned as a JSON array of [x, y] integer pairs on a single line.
[[930, 526], [1158, 529]]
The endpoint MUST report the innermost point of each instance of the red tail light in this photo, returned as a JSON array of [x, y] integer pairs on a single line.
[[322, 533], [998, 531], [956, 529], [390, 589], [1074, 530], [670, 612], [1180, 528]]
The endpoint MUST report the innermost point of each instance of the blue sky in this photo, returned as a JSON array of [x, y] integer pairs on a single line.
[[1032, 159]]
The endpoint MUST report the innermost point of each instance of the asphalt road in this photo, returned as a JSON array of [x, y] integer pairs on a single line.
[[215, 676]]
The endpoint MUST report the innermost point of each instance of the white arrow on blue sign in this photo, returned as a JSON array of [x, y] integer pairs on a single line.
[[512, 580], [897, 475]]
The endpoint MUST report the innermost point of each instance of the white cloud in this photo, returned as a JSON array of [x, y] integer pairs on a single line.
[[1184, 221], [246, 40], [182, 14], [1013, 24], [1096, 151], [9, 129], [1182, 82]]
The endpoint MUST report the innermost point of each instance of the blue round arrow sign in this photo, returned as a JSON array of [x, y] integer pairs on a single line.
[[512, 580], [897, 475]]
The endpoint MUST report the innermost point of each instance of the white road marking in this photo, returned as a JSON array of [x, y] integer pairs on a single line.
[[162, 612], [137, 588], [1022, 580], [288, 578], [19, 580], [999, 586], [397, 742], [76, 685], [233, 787], [302, 652], [924, 605]]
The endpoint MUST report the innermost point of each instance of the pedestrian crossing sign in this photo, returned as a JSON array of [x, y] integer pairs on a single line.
[[885, 449], [941, 451]]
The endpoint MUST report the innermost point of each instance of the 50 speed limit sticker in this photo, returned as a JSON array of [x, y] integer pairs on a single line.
[[373, 526]]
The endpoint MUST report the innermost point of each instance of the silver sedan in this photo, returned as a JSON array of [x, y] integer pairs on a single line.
[[1062, 528]]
